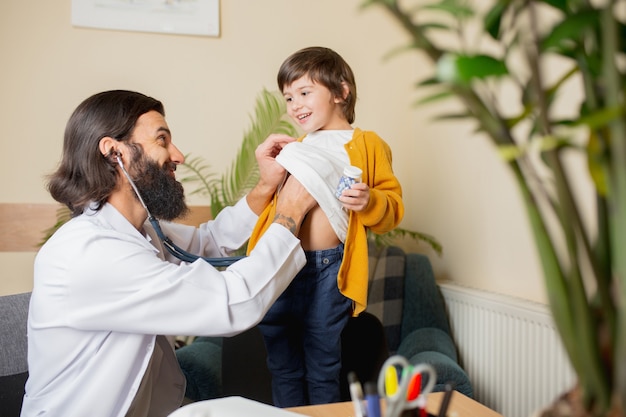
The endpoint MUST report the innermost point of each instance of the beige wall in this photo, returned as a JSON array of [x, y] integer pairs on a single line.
[[455, 186]]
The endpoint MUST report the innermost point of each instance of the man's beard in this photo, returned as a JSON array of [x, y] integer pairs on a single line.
[[163, 195]]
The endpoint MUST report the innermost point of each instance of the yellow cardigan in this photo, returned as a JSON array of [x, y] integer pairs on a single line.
[[383, 213]]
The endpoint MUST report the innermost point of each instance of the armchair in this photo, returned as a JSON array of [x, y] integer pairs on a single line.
[[404, 296]]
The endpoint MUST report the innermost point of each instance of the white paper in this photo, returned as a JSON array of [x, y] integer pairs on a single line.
[[231, 407]]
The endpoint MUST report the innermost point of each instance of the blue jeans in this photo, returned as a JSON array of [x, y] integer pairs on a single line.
[[302, 333]]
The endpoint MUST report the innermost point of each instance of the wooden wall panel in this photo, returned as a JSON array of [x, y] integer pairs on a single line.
[[23, 226]]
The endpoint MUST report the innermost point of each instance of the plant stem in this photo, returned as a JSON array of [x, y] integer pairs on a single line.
[[617, 199]]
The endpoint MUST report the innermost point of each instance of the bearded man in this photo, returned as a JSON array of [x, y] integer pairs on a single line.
[[107, 292]]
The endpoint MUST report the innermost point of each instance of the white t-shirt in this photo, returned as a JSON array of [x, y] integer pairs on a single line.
[[318, 162]]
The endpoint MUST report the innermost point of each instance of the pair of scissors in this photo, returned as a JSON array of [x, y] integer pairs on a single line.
[[398, 383]]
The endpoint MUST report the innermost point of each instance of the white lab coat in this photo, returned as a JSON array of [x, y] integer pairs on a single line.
[[102, 292]]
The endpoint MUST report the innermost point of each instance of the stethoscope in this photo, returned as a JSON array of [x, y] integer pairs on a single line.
[[171, 247]]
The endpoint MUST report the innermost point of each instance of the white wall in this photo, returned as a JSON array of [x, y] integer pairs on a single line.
[[455, 186]]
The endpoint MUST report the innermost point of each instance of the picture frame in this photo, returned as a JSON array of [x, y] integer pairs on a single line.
[[183, 17]]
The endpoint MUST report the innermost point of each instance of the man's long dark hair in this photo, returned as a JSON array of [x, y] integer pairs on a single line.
[[84, 175]]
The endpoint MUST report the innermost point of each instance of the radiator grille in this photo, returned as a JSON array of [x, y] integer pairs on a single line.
[[509, 348]]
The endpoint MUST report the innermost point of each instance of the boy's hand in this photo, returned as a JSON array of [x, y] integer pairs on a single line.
[[356, 198]]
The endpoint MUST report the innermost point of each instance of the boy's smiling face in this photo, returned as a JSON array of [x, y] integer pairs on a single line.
[[313, 107]]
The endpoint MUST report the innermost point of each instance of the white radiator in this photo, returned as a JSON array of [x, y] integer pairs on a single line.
[[509, 349]]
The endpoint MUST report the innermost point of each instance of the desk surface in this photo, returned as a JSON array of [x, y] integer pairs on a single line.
[[461, 404]]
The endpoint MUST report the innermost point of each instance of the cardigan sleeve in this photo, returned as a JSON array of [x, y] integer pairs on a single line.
[[385, 209]]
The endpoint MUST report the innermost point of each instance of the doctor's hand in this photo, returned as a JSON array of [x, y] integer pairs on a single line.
[[294, 202], [271, 173]]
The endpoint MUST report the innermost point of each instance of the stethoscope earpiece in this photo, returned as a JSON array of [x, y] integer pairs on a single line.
[[114, 157]]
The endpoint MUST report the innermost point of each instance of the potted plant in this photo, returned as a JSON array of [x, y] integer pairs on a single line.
[[585, 274]]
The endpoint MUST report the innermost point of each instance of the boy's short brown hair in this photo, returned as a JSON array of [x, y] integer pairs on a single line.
[[323, 66]]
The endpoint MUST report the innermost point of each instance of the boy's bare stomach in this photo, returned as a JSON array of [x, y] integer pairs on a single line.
[[316, 232]]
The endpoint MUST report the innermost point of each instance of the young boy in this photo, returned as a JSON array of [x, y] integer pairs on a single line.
[[302, 330]]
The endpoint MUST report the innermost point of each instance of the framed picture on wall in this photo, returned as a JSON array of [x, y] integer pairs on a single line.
[[184, 17]]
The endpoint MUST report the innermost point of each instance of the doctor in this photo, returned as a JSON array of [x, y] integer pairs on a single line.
[[106, 290]]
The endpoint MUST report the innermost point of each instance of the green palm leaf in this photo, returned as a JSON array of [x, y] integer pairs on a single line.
[[243, 174]]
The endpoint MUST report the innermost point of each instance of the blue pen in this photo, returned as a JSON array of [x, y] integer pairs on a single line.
[[373, 400]]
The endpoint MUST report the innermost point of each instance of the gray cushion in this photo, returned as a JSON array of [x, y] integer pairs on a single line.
[[13, 352], [13, 318]]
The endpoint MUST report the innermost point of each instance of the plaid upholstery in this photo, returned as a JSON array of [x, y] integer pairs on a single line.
[[386, 290]]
